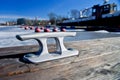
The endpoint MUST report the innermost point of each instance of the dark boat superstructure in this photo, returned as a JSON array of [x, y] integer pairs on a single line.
[[102, 17]]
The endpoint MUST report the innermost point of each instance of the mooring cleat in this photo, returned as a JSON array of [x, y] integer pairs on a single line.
[[50, 56], [43, 54]]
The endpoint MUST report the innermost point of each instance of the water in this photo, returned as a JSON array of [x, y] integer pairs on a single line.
[[8, 33]]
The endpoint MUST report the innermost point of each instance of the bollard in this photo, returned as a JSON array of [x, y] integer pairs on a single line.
[[26, 28], [63, 29], [46, 30], [55, 30], [37, 29], [42, 28], [43, 54]]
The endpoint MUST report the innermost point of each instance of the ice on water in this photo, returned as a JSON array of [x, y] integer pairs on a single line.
[[8, 36]]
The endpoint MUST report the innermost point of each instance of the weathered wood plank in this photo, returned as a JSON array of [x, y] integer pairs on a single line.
[[92, 54], [68, 71], [17, 50]]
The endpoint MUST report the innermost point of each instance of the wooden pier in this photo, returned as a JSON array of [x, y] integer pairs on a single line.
[[97, 59]]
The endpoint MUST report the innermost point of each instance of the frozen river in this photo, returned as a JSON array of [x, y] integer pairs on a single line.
[[8, 33]]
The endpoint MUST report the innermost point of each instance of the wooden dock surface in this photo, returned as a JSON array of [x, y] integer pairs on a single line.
[[97, 60]]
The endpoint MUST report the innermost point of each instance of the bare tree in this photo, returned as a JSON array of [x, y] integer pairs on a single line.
[[52, 17], [61, 18], [75, 13]]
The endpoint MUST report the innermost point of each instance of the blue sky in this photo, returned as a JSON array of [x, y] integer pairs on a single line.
[[41, 8]]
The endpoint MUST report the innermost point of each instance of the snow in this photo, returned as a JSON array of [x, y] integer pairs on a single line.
[[8, 36], [101, 31]]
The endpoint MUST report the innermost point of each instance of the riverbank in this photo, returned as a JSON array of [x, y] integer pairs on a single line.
[[98, 59]]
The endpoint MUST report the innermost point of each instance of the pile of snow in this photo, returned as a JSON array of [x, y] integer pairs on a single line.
[[102, 31]]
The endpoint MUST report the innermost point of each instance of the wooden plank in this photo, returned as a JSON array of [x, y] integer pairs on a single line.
[[68, 71], [92, 54], [17, 50]]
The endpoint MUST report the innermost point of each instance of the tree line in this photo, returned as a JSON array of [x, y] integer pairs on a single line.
[[53, 19], [24, 21]]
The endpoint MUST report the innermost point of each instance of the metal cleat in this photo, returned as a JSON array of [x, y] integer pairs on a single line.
[[43, 54]]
